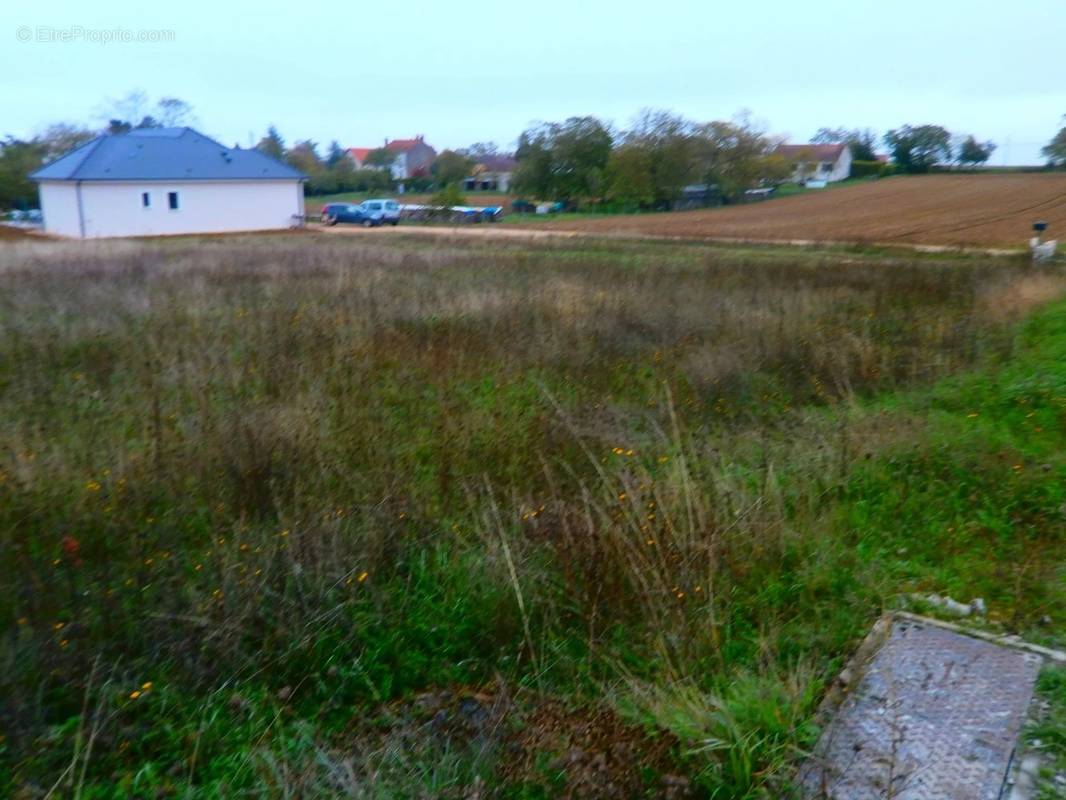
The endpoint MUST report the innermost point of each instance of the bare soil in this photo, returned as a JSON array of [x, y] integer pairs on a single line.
[[952, 210], [9, 233]]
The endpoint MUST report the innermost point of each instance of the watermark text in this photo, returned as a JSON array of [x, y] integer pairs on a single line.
[[73, 34]]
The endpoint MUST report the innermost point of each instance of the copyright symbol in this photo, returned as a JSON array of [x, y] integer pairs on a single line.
[[24, 33]]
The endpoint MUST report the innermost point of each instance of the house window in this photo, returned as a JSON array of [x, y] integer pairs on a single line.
[[172, 200], [146, 200]]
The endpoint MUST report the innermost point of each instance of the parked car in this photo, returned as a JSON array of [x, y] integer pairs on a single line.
[[29, 217], [368, 213], [383, 211], [333, 213]]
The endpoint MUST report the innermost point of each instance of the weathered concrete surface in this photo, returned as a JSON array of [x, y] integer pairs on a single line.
[[934, 715]]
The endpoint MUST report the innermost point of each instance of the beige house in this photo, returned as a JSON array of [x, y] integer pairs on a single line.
[[491, 173]]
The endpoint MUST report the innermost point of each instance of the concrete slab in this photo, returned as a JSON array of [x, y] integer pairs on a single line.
[[933, 715]]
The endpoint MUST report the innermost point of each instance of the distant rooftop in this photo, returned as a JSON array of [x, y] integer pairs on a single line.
[[162, 154], [403, 145], [499, 162], [811, 152]]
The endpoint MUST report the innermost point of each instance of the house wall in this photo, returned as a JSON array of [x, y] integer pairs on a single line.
[[816, 170], [498, 182], [415, 161], [59, 204], [115, 209], [842, 167]]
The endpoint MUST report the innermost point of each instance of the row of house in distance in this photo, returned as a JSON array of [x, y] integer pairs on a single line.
[[159, 181], [813, 164], [413, 158]]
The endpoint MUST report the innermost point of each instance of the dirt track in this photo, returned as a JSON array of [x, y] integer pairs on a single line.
[[952, 210], [548, 231]]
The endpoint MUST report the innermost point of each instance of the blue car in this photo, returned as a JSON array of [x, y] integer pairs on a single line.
[[348, 212]]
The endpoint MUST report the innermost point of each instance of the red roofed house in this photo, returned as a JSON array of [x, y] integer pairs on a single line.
[[358, 156], [413, 157], [815, 163]]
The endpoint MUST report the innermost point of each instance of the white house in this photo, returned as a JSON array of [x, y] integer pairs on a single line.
[[158, 181], [412, 157], [817, 163]]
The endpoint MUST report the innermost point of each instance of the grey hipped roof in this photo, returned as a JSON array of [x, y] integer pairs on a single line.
[[162, 154]]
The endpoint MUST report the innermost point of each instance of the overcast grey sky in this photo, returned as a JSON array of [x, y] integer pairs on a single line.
[[465, 72]]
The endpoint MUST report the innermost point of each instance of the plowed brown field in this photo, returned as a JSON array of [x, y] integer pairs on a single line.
[[964, 210]]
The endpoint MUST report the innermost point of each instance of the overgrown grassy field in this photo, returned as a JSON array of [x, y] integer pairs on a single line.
[[316, 516]]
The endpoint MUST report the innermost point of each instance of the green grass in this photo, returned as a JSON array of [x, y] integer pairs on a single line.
[[293, 484], [1047, 734]]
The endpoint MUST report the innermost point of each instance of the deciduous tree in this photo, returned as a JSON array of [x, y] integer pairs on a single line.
[[917, 148], [972, 152], [61, 138], [451, 167], [737, 155], [380, 157], [18, 158], [629, 176], [480, 150], [1055, 150], [173, 112], [861, 141], [304, 157], [668, 141], [564, 161]]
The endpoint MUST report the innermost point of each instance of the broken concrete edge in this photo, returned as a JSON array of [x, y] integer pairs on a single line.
[[1004, 640], [854, 669]]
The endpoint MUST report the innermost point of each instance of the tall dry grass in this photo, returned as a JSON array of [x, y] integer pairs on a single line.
[[251, 461]]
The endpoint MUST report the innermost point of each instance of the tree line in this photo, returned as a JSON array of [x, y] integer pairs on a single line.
[[19, 158], [580, 161], [583, 161]]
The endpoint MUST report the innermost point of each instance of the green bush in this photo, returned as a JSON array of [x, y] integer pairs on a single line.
[[448, 195], [866, 169]]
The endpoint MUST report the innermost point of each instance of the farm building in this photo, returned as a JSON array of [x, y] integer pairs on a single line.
[[491, 173], [159, 181], [814, 163]]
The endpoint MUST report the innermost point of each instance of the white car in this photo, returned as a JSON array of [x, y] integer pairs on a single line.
[[382, 211]]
